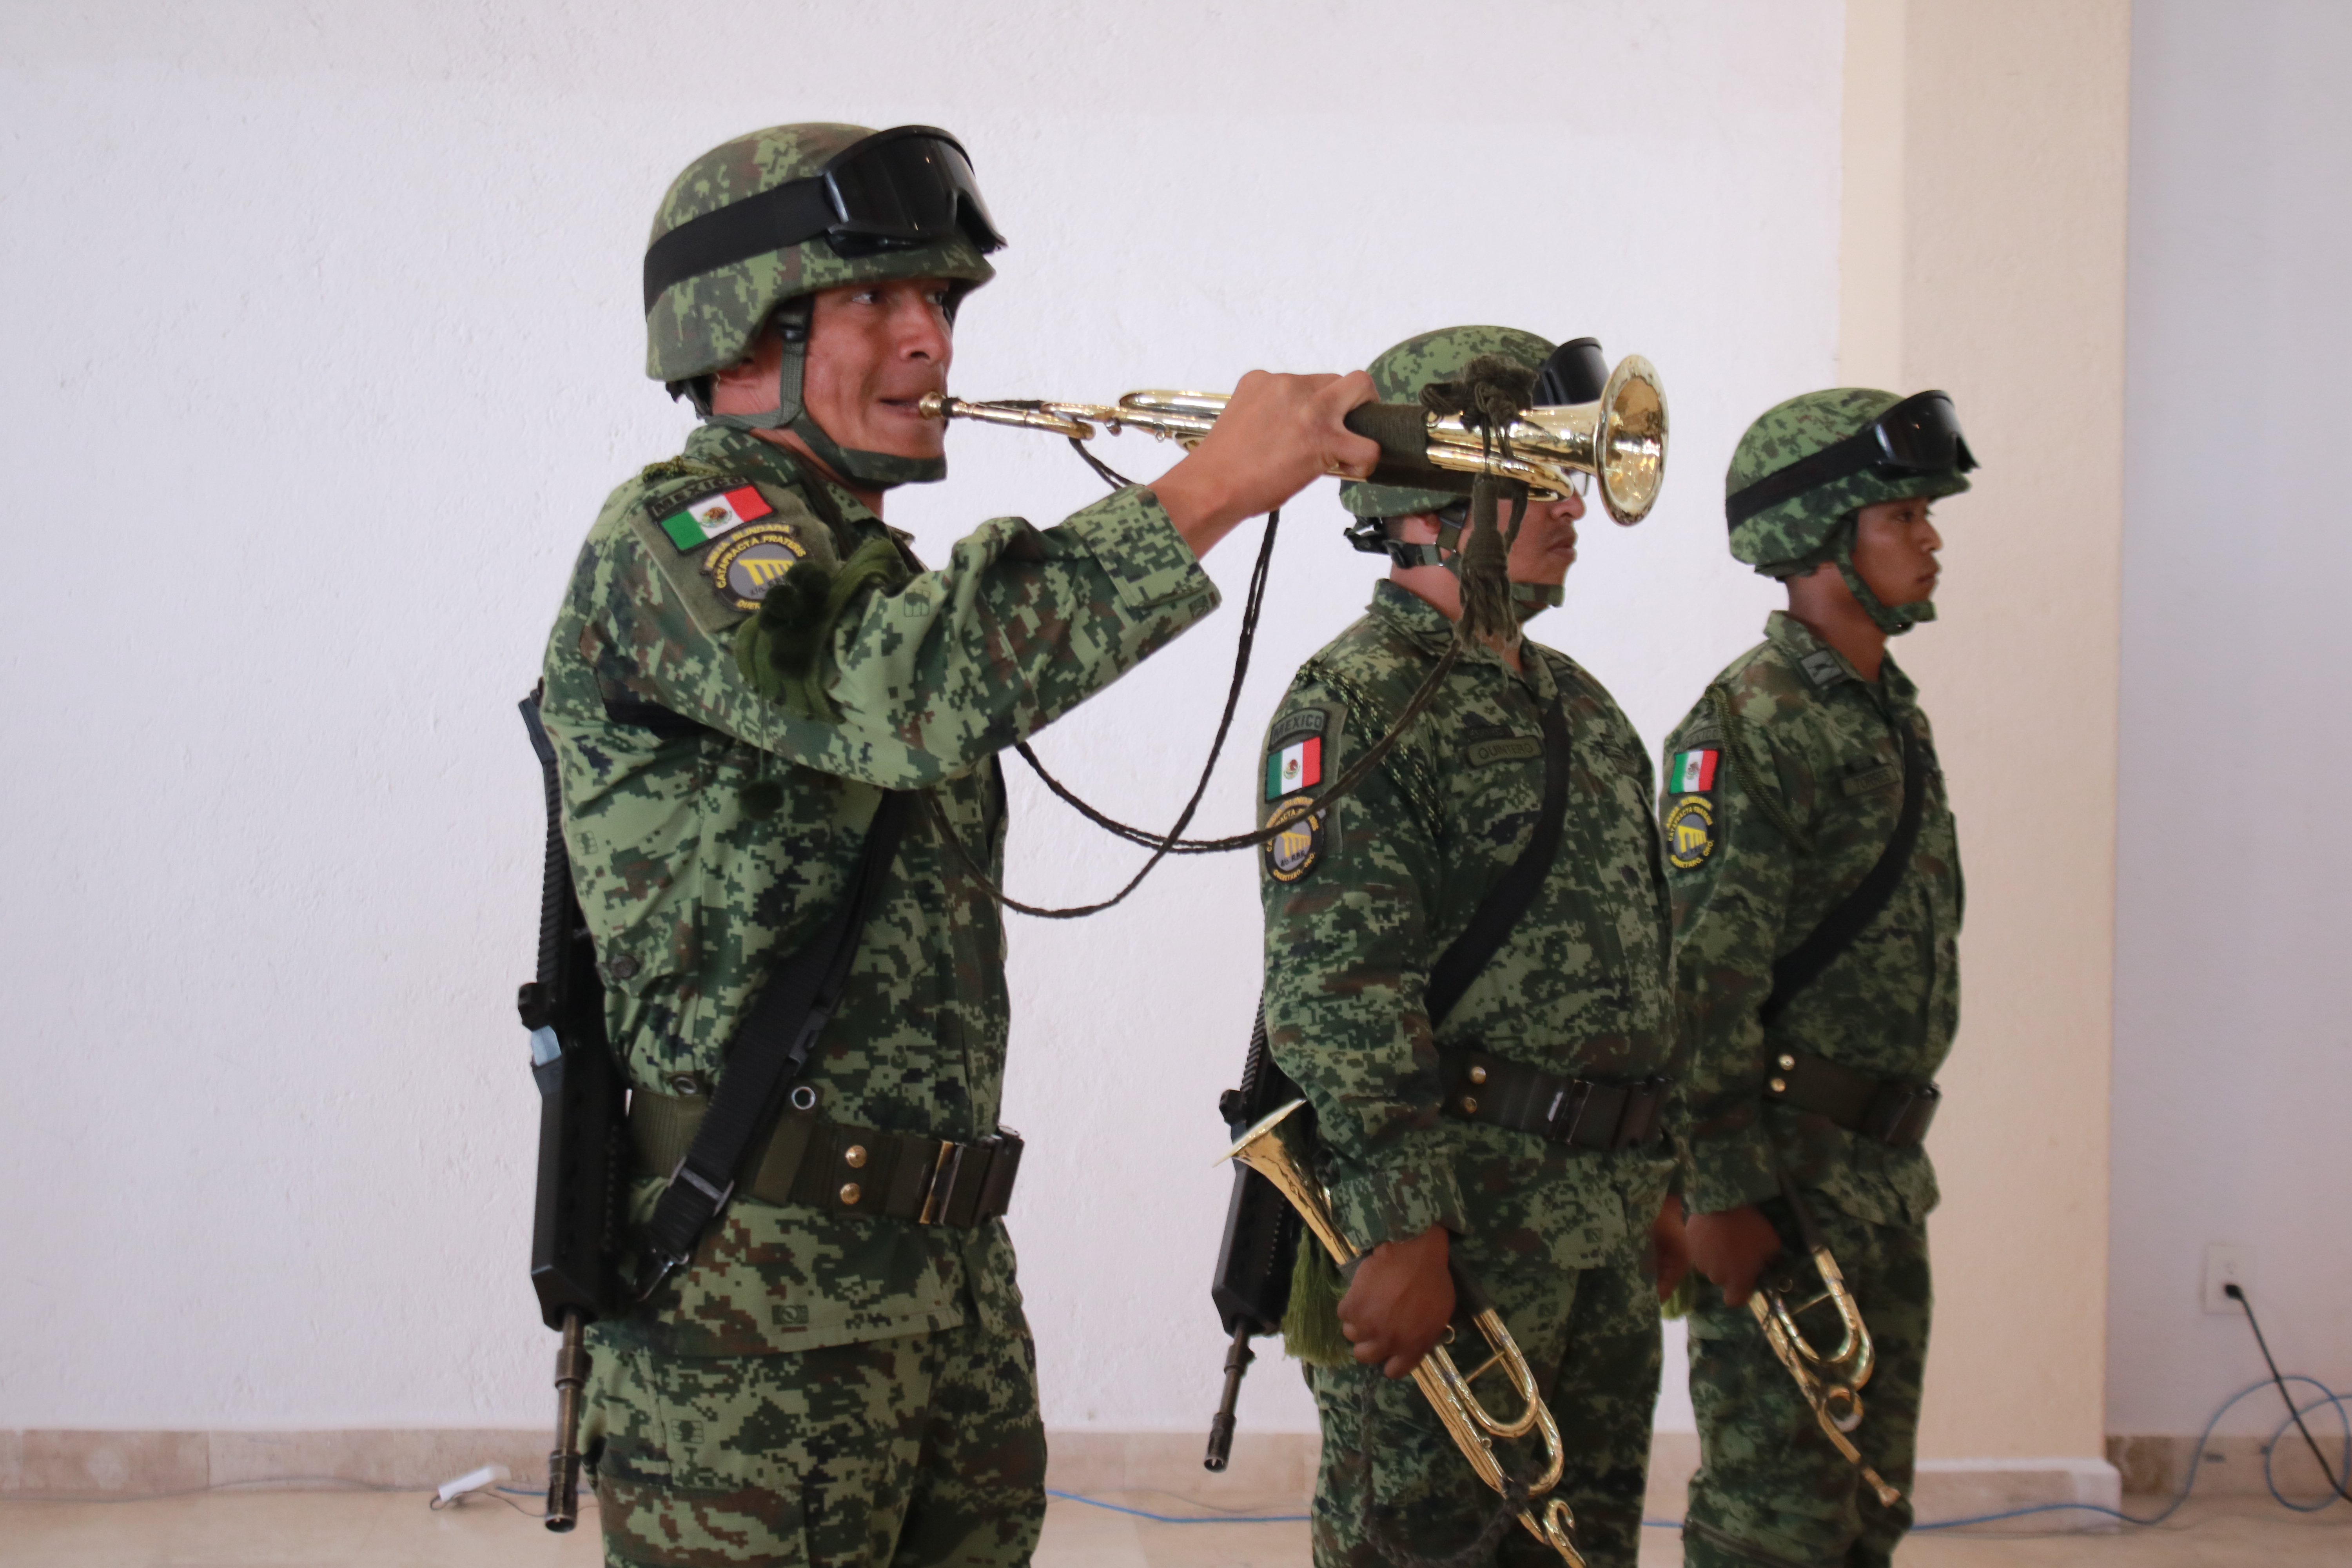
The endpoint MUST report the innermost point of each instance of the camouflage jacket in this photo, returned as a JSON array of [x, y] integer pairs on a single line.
[[1823, 741], [1358, 910], [712, 830]]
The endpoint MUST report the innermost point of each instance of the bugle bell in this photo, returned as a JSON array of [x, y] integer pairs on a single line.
[[1619, 438], [1831, 1381], [1472, 1427]]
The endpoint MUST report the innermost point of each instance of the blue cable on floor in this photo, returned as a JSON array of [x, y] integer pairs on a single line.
[[1183, 1518], [2343, 1404]]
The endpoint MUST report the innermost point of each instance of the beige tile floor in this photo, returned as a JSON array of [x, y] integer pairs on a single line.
[[394, 1530]]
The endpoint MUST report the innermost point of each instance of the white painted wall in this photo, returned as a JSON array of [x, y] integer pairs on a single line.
[[322, 350], [2232, 1066]]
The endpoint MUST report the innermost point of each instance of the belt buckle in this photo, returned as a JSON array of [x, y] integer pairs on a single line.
[[1578, 1093], [945, 1167]]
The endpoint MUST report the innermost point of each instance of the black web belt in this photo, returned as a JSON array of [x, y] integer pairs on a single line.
[[1581, 1111], [842, 1169], [1883, 1110]]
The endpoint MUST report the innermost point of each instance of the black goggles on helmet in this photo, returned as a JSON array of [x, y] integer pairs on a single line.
[[900, 189], [1920, 435]]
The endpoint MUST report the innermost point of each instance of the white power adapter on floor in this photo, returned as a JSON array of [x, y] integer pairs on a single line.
[[474, 1480]]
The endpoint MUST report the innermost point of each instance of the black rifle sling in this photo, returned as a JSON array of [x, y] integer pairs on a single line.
[[1804, 964], [1491, 921], [769, 1049]]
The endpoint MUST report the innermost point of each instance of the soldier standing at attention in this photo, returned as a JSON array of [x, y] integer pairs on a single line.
[[1514, 1126], [833, 1367], [1816, 884]]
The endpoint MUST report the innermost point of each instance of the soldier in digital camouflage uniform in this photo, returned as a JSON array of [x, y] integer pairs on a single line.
[[1784, 786], [744, 660], [1359, 904]]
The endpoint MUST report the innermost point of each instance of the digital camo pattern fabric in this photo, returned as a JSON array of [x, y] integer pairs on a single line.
[[706, 322], [1580, 988], [1356, 912], [1590, 1336], [1809, 742], [713, 829], [923, 1451], [1824, 744], [1772, 1489], [1795, 532]]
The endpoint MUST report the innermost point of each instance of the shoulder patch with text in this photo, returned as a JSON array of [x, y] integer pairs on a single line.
[[697, 519], [1690, 832], [1303, 722], [1292, 853], [753, 559]]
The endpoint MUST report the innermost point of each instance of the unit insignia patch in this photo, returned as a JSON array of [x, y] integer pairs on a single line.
[[1690, 832], [753, 560], [1292, 853]]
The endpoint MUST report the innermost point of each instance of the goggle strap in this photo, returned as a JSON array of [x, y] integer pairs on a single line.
[[1863, 450], [795, 213], [791, 214]]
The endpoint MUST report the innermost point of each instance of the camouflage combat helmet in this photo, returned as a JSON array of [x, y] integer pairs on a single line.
[[1399, 374], [1792, 536], [711, 286]]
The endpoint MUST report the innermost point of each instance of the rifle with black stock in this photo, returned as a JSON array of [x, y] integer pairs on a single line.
[[574, 1227], [1252, 1288]]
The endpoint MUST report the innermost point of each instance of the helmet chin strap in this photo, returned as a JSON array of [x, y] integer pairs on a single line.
[[1528, 600], [881, 471], [1892, 619]]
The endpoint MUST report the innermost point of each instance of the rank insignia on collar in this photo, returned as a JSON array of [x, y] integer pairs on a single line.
[[1823, 669], [706, 517], [1690, 832], [1292, 853], [753, 560]]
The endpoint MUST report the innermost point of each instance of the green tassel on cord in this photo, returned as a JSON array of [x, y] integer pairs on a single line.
[[780, 650], [1310, 1325]]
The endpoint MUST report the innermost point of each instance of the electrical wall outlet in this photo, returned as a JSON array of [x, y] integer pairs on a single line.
[[2227, 1265]]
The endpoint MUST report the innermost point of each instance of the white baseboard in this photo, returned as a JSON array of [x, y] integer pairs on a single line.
[[1268, 1468]]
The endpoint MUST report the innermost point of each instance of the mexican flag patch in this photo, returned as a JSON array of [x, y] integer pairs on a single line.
[[1296, 766], [700, 521], [1692, 772]]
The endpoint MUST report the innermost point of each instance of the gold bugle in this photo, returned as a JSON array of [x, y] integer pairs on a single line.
[[1471, 1426], [1831, 1383], [1619, 438]]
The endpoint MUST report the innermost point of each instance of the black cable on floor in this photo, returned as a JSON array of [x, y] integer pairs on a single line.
[[2237, 1294]]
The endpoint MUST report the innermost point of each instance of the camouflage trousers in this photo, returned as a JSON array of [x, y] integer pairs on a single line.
[[1771, 1489], [911, 1452], [1591, 1337]]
